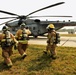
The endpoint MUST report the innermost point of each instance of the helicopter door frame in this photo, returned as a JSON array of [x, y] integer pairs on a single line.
[[35, 30]]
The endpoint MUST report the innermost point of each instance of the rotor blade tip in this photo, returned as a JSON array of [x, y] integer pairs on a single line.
[[62, 2]]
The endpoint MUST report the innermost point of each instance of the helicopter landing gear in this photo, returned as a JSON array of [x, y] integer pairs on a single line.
[[35, 36]]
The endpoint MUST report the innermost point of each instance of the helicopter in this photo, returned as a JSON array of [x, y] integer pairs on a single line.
[[36, 26]]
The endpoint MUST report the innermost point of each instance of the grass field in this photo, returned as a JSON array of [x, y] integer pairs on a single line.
[[68, 35], [37, 63]]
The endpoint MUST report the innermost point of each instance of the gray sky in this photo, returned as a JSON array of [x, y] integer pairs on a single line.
[[24, 7]]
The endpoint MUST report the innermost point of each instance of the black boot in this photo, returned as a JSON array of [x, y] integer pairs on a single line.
[[53, 56], [45, 52]]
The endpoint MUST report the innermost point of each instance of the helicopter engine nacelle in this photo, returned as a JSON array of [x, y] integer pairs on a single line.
[[37, 20]]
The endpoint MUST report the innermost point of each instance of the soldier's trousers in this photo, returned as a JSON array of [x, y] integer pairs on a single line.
[[52, 49], [6, 53], [22, 48]]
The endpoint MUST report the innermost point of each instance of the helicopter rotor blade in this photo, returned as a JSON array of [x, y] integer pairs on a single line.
[[8, 21], [33, 17], [24, 17], [8, 13], [7, 17], [48, 16], [46, 8]]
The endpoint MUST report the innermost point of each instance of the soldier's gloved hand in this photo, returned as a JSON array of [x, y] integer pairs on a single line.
[[17, 42]]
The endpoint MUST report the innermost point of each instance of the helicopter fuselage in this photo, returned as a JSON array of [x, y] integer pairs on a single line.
[[37, 27]]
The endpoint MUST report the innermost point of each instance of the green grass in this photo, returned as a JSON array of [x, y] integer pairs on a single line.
[[68, 35], [37, 63]]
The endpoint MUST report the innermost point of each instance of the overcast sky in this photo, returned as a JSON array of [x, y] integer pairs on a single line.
[[24, 7]]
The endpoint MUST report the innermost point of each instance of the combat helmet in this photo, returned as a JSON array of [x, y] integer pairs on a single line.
[[22, 25], [5, 28], [50, 26]]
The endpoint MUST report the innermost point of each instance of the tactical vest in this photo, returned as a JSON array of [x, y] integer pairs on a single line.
[[23, 35], [55, 39], [7, 41]]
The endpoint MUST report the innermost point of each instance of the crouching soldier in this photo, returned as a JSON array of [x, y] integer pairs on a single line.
[[22, 37], [7, 41], [51, 41]]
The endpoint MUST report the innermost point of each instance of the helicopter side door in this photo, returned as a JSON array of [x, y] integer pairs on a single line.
[[34, 29]]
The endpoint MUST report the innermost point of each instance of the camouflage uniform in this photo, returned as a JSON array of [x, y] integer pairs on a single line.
[[23, 43], [7, 48]]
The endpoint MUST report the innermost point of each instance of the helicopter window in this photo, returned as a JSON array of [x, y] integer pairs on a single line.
[[13, 29], [34, 28]]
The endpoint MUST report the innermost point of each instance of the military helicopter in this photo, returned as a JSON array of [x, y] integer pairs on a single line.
[[36, 26]]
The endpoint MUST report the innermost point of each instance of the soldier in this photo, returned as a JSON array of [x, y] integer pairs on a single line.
[[22, 37], [51, 45], [7, 40]]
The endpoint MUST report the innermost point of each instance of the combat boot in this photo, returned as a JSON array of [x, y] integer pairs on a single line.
[[24, 55], [45, 52], [53, 56], [9, 65]]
